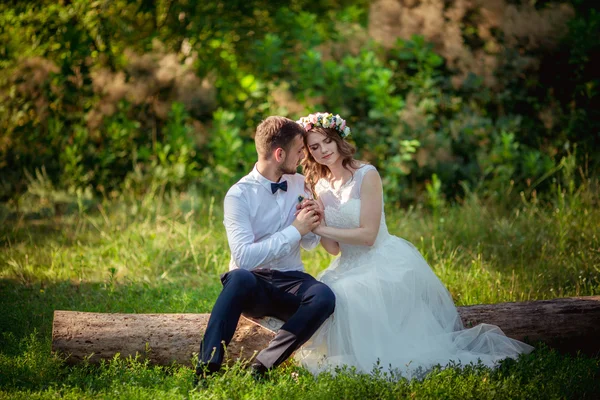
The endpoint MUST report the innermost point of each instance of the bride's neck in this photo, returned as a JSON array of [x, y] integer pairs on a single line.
[[338, 172]]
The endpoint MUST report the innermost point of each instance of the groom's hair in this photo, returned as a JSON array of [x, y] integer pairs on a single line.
[[275, 132]]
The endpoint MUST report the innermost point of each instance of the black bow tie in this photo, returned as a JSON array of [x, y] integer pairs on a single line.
[[281, 185]]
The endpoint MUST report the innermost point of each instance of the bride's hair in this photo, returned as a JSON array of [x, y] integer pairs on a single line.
[[313, 171]]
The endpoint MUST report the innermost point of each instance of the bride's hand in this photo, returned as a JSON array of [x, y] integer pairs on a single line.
[[311, 205]]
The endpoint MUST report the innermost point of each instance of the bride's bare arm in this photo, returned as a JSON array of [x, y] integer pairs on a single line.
[[371, 194], [330, 245]]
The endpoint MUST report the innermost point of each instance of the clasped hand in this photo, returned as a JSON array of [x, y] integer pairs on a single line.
[[309, 216]]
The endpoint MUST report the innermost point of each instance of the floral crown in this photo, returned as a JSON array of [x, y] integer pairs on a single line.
[[325, 120]]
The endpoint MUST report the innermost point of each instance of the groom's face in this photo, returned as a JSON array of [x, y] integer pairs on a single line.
[[293, 156]]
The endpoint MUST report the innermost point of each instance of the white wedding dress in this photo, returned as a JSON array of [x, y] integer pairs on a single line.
[[390, 306]]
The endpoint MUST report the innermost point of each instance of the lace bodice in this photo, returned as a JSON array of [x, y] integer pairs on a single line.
[[342, 210]]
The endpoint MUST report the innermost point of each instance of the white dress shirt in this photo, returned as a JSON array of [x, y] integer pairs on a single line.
[[259, 224]]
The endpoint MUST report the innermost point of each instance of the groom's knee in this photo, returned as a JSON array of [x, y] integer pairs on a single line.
[[239, 281], [324, 300]]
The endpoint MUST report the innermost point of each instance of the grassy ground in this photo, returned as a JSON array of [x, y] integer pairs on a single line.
[[154, 256]]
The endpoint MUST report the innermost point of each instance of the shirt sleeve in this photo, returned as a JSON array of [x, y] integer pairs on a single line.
[[246, 253], [310, 241]]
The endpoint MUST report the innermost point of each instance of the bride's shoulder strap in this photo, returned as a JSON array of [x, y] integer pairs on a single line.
[[362, 171], [359, 175]]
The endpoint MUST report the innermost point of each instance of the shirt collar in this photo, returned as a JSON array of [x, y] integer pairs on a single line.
[[261, 179]]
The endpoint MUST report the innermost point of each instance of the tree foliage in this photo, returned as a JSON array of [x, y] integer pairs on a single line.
[[123, 95]]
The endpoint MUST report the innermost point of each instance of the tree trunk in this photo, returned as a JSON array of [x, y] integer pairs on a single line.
[[568, 324]]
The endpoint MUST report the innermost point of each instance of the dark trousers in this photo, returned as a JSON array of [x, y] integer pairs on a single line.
[[296, 298]]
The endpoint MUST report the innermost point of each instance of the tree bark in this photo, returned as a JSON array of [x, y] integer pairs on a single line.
[[161, 338], [567, 324]]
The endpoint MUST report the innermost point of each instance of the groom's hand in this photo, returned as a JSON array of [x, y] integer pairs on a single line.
[[311, 205], [306, 221]]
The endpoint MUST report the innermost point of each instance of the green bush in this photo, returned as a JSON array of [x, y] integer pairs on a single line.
[[124, 94]]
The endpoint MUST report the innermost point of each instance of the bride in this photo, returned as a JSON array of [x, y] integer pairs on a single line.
[[391, 308]]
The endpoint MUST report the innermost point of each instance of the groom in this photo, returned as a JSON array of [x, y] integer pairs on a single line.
[[266, 276]]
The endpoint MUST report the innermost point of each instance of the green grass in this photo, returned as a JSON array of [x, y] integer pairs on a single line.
[[165, 256]]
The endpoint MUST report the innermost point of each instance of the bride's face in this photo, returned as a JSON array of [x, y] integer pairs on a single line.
[[323, 149]]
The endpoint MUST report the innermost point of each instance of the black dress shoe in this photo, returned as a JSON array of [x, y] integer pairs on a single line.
[[199, 382], [258, 371], [202, 372]]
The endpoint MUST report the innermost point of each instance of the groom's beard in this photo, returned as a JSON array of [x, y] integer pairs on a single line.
[[288, 169]]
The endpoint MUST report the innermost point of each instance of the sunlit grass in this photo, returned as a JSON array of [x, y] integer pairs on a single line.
[[166, 256]]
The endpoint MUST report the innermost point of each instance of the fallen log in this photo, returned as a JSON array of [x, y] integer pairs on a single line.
[[161, 338], [567, 324]]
